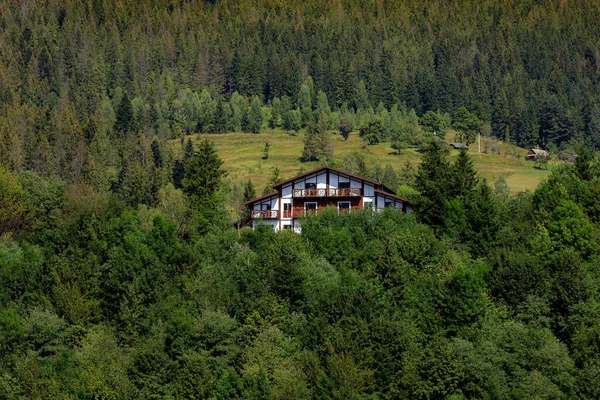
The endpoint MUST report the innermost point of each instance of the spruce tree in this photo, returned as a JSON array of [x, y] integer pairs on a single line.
[[249, 192], [124, 115], [203, 172], [432, 183], [254, 116], [583, 163], [463, 176], [157, 154]]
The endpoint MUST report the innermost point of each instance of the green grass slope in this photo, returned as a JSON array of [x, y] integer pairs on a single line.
[[242, 154]]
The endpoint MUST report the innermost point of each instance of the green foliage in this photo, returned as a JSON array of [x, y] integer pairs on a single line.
[[373, 132], [16, 209], [432, 181], [466, 124], [203, 172], [434, 122], [116, 282], [346, 126], [317, 145]]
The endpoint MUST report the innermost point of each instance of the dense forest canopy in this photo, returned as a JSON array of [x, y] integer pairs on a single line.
[[494, 297], [121, 275]]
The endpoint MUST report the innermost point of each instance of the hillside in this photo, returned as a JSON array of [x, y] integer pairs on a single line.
[[242, 155]]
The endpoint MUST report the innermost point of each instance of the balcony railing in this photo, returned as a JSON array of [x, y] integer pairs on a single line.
[[299, 213], [265, 214], [327, 192]]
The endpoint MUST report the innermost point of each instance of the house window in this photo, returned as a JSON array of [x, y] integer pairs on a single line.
[[287, 210], [265, 206], [311, 185], [390, 204], [343, 205], [310, 208], [344, 185]]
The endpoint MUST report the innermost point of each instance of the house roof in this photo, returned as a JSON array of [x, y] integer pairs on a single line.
[[459, 145], [390, 195], [339, 171], [386, 191], [539, 152], [266, 196]]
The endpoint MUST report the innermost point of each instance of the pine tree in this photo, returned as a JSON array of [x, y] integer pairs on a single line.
[[583, 163], [249, 192], [255, 118], [432, 183], [463, 177], [124, 115], [157, 154], [203, 172], [310, 151], [189, 150], [316, 142]]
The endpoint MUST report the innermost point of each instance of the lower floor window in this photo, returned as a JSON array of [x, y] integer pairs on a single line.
[[310, 208], [343, 204]]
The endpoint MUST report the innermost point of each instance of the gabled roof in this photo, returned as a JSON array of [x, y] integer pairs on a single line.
[[539, 152], [339, 171], [266, 196], [391, 195], [459, 145]]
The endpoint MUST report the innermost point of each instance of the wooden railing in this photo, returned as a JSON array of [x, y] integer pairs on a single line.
[[327, 192], [265, 214], [299, 213]]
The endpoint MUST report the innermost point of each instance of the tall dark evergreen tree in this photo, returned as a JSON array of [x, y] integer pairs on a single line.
[[463, 176], [203, 172], [433, 184], [583, 163], [124, 115]]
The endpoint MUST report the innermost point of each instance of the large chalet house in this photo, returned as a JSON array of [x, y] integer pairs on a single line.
[[317, 189]]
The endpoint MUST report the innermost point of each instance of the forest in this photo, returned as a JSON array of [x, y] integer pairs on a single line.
[[123, 273], [477, 295]]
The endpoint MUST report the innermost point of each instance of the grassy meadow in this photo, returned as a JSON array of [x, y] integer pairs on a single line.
[[242, 153]]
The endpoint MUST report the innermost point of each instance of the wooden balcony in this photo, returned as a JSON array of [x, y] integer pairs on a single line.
[[299, 213], [265, 214], [326, 192]]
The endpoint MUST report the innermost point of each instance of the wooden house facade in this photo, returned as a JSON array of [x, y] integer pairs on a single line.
[[314, 190], [536, 154]]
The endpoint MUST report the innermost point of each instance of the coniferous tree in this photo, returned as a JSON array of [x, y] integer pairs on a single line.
[[316, 142], [255, 118], [432, 183], [463, 177], [203, 172], [157, 154], [249, 192], [583, 163], [124, 115]]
